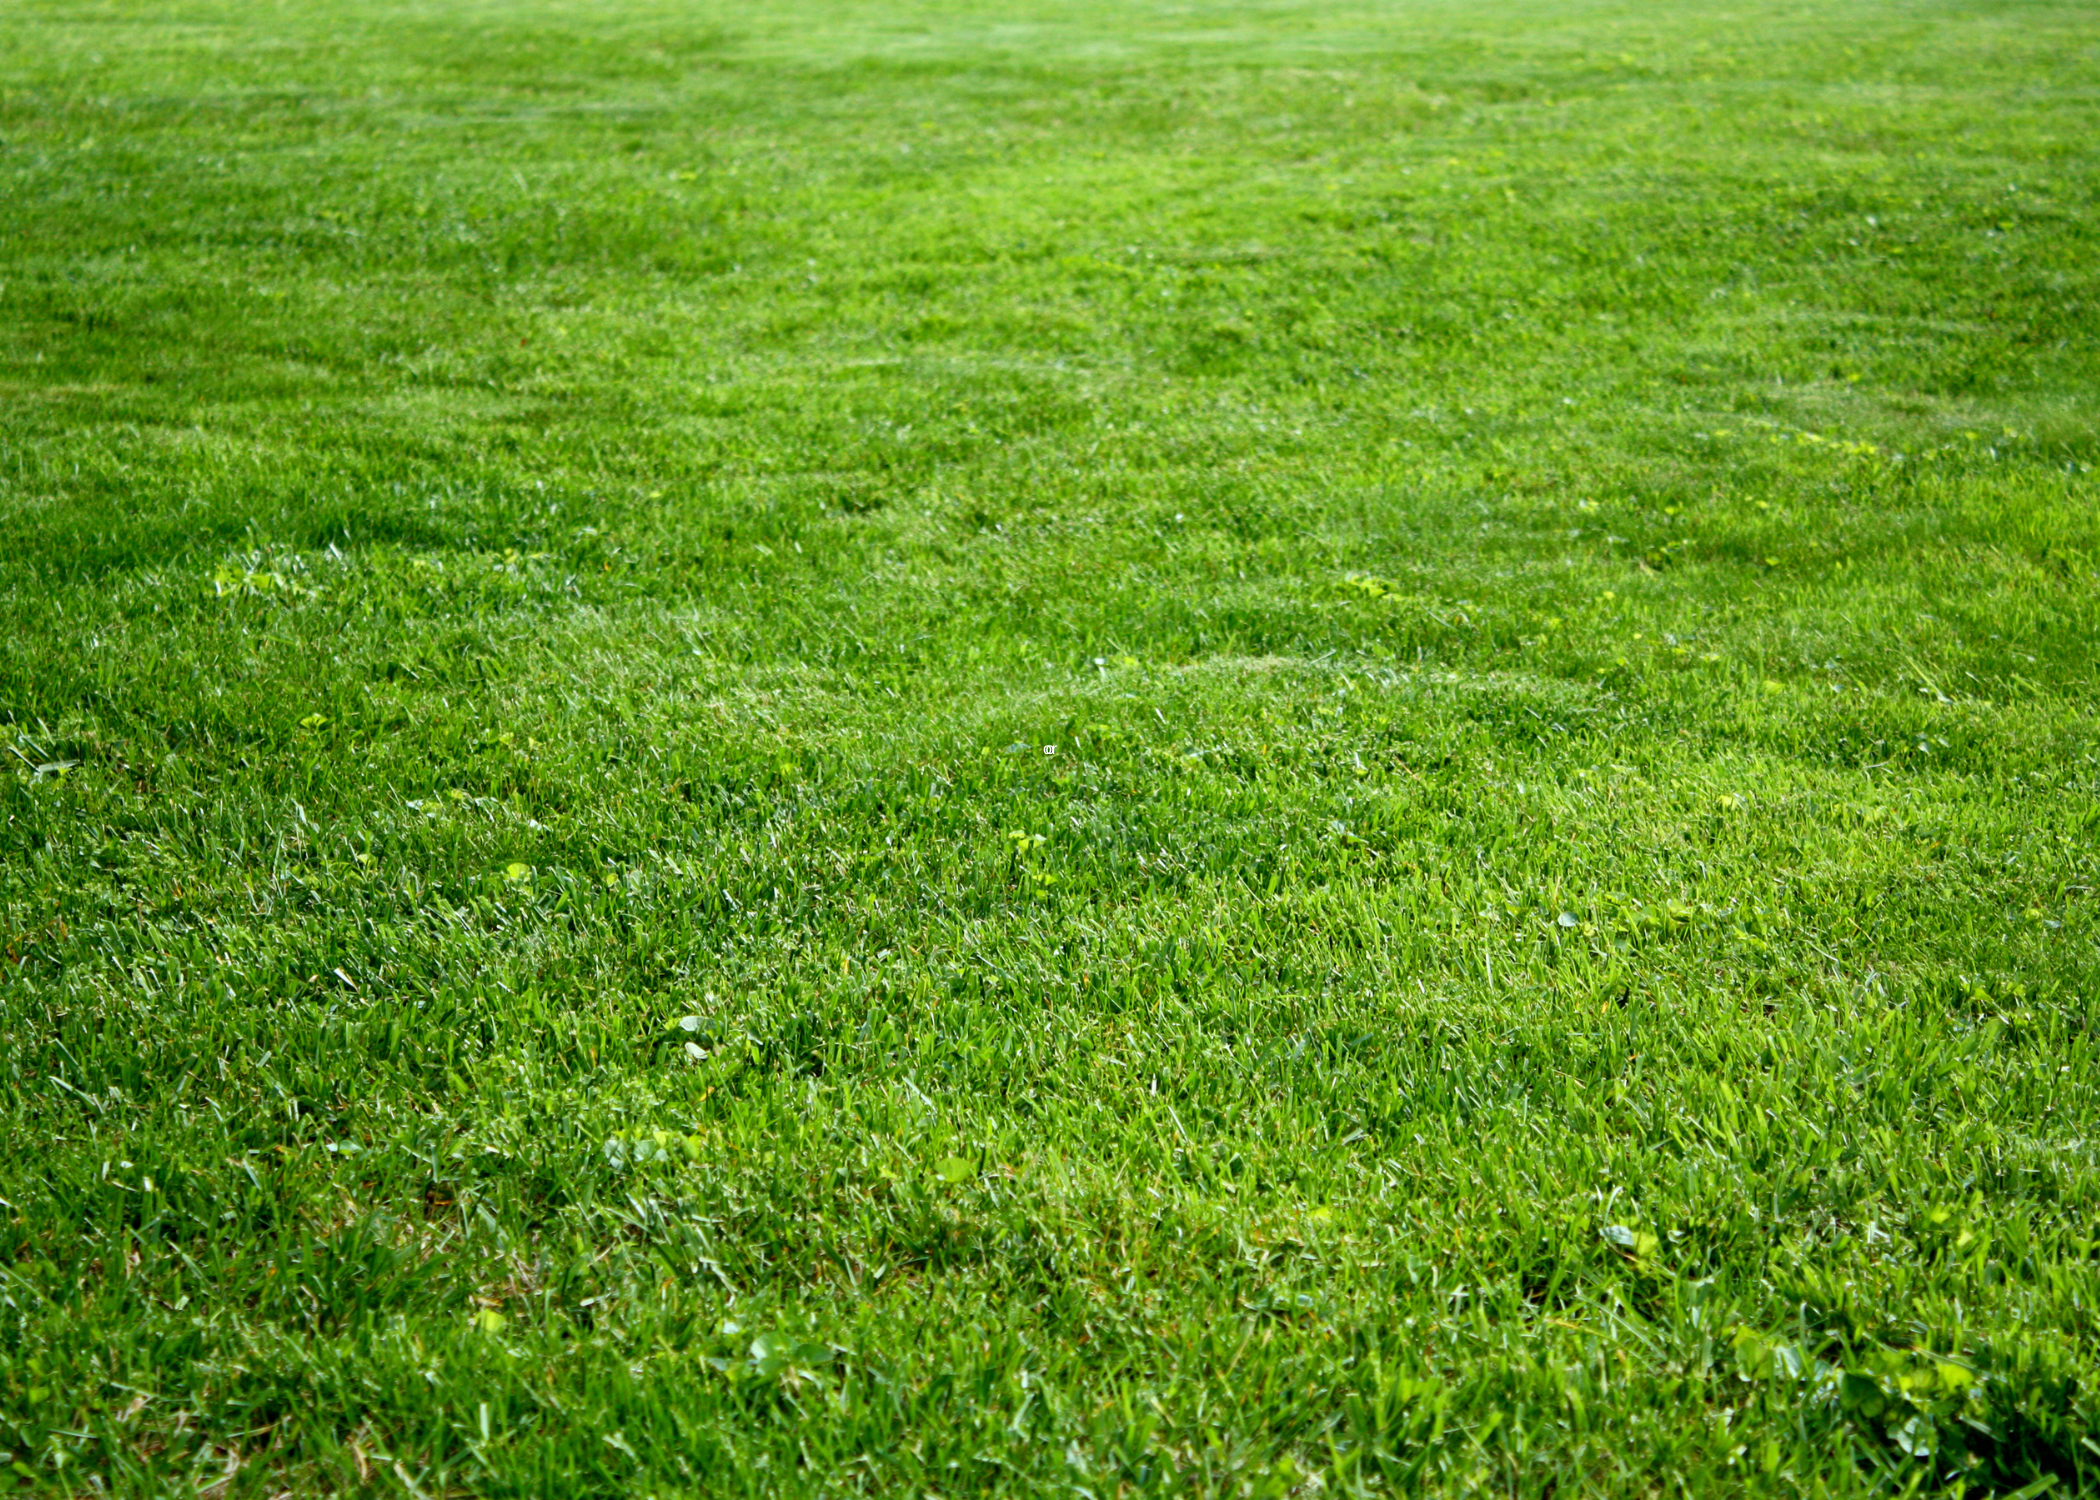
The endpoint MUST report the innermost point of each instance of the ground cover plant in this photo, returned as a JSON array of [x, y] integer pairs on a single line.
[[886, 747]]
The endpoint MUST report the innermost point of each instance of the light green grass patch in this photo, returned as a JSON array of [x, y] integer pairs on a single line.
[[1166, 750]]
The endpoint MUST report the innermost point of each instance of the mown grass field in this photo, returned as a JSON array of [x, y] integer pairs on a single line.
[[1097, 750]]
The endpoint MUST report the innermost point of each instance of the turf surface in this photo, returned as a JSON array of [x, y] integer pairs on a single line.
[[876, 747]]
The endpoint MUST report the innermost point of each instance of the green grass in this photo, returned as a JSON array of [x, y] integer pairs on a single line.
[[922, 749]]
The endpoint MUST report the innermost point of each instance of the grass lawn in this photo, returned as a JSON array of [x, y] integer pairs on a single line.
[[900, 747]]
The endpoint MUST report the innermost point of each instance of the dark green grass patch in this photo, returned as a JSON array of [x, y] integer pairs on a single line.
[[1247, 751]]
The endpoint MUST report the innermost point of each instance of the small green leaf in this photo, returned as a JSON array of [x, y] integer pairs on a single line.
[[1862, 1395]]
